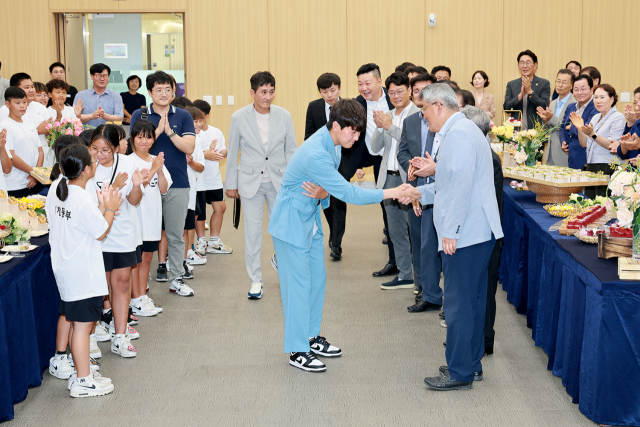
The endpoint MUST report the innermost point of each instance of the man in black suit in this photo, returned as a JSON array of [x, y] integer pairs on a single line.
[[373, 96], [317, 117], [529, 91]]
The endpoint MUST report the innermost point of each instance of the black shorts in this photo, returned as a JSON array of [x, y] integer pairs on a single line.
[[190, 221], [201, 206], [26, 192], [139, 254], [84, 310], [116, 260], [215, 195], [150, 246]]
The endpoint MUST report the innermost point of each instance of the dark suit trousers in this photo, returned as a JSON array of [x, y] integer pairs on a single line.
[[430, 260], [366, 161], [492, 287], [336, 215], [465, 273]]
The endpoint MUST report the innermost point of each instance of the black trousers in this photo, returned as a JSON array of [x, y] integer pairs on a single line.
[[492, 287], [367, 161], [336, 215]]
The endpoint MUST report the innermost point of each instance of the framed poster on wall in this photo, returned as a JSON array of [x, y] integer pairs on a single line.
[[115, 51]]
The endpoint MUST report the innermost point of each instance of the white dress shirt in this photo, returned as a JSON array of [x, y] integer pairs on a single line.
[[263, 127], [380, 105]]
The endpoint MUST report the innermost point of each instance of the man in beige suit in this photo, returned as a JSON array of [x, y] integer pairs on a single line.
[[552, 117], [262, 134]]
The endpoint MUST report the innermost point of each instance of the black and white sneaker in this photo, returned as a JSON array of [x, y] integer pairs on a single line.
[[188, 274], [321, 347], [307, 362]]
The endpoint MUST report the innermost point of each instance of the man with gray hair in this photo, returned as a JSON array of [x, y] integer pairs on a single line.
[[480, 118], [467, 223]]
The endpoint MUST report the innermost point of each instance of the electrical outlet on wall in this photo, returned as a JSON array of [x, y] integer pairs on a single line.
[[230, 100], [625, 97], [208, 98], [218, 99]]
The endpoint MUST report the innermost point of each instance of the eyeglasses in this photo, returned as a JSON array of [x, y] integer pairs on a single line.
[[101, 76], [527, 63], [397, 93], [434, 103], [101, 152], [161, 91]]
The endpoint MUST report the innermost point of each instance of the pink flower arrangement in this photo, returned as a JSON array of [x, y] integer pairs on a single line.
[[55, 129]]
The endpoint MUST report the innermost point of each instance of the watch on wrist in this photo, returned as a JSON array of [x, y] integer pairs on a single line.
[[594, 136], [172, 134]]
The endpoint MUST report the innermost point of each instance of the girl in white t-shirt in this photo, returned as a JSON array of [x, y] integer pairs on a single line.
[[119, 248], [57, 90], [158, 181], [77, 226]]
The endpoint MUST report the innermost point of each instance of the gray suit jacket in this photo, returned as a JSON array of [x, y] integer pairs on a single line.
[[553, 154], [465, 206], [246, 174], [383, 138], [4, 84]]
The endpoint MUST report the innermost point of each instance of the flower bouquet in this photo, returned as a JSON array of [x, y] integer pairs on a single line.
[[55, 129], [13, 229], [625, 194], [529, 142], [503, 133]]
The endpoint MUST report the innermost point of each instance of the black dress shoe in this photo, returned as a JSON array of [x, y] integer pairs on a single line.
[[336, 253], [444, 371], [441, 315], [417, 290], [419, 297], [387, 270], [441, 383], [423, 305], [488, 351], [397, 284]]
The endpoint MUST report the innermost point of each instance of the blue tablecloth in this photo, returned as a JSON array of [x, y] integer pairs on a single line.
[[29, 303], [582, 315]]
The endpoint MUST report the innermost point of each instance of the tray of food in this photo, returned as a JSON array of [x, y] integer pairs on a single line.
[[41, 175]]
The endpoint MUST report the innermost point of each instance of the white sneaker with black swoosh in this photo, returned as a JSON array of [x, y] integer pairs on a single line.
[[121, 345], [60, 367], [307, 362], [141, 307], [131, 333], [96, 376], [321, 347], [89, 387]]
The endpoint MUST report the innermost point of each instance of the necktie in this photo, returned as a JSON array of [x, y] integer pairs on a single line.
[[525, 102]]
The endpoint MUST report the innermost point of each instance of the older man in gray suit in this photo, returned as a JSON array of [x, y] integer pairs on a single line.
[[387, 137], [467, 222], [552, 116], [264, 134]]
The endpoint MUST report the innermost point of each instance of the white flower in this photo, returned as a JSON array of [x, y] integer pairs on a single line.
[[624, 217], [520, 157]]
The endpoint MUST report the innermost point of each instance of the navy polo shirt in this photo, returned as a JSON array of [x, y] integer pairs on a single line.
[[175, 160]]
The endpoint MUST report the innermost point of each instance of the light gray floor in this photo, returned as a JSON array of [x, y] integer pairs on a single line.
[[216, 359]]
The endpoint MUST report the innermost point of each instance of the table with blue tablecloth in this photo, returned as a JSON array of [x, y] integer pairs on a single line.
[[29, 303], [581, 314]]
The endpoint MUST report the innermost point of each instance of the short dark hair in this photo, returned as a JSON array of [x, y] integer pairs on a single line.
[[196, 113], [14, 92], [573, 62], [326, 80], [467, 97], [593, 72], [610, 91], [99, 68], [144, 128], [453, 85], [426, 77], [402, 67], [17, 78], [568, 72], [416, 69], [348, 112], [202, 106], [39, 87], [57, 84], [57, 64], [262, 78], [181, 102], [134, 77], [483, 75], [437, 68], [369, 68], [636, 91], [159, 77], [586, 77], [398, 79], [86, 135], [530, 54]]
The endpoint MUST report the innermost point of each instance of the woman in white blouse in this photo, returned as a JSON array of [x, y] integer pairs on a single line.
[[597, 136]]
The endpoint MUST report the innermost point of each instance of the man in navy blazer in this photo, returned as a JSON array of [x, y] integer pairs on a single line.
[[583, 93], [467, 222], [528, 92]]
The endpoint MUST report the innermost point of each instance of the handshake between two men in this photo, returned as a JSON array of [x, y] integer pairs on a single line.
[[422, 167]]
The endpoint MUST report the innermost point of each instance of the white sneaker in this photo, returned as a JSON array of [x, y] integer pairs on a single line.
[[89, 387], [131, 333], [274, 263], [141, 307], [256, 290], [94, 350], [218, 248], [153, 304], [96, 376], [179, 287], [201, 246], [194, 258], [121, 345], [443, 323], [102, 334], [60, 367], [93, 363]]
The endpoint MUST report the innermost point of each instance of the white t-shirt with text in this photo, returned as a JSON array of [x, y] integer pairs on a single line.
[[22, 138]]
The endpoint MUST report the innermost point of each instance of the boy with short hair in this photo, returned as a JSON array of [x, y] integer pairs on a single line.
[[41, 93], [215, 150], [23, 146]]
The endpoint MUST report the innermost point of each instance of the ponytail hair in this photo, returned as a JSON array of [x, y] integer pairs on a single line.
[[73, 160], [60, 144]]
